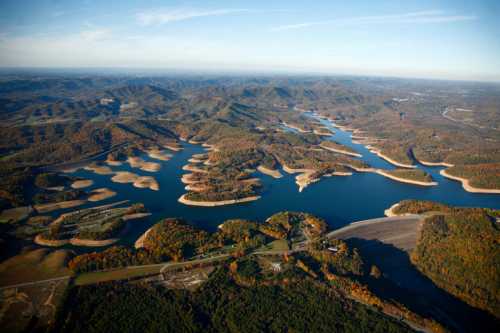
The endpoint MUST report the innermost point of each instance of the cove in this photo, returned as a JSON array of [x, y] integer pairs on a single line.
[[339, 200]]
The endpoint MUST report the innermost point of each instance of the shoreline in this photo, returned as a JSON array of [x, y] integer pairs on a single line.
[[100, 194], [137, 162], [186, 179], [82, 183], [389, 212], [404, 180], [300, 130], [466, 186], [390, 160], [158, 154], [448, 165], [182, 199], [49, 207], [340, 151], [384, 174], [292, 171], [39, 240], [320, 133], [192, 168], [270, 172], [139, 243]]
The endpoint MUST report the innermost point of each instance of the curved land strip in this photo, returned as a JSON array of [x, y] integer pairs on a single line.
[[404, 180], [399, 179], [270, 172], [137, 162], [136, 180], [82, 183], [449, 165], [301, 130], [159, 154], [124, 177], [147, 182], [99, 169], [73, 241], [101, 194], [188, 202], [192, 168], [49, 207], [323, 132], [340, 151], [390, 160], [172, 147], [467, 186], [111, 162], [139, 243]]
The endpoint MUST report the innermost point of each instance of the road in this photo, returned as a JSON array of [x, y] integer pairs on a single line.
[[26, 284], [68, 165]]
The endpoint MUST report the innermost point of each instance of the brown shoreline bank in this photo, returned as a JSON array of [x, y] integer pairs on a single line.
[[467, 186], [188, 202]]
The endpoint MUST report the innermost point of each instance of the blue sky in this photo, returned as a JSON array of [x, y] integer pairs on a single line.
[[435, 39]]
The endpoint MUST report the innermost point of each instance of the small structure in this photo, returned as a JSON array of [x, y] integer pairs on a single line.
[[333, 249], [276, 266], [106, 101]]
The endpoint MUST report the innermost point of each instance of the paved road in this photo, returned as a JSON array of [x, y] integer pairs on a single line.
[[26, 284]]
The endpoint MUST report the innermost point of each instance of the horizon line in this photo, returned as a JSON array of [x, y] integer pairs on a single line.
[[232, 72]]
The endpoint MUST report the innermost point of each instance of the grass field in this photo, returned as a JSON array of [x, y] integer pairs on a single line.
[[277, 245], [118, 274]]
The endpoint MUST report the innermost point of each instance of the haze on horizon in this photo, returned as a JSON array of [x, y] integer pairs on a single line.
[[429, 39]]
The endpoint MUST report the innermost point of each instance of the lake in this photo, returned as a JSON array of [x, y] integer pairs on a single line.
[[339, 200]]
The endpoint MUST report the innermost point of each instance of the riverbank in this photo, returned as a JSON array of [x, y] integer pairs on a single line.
[[49, 207], [448, 165], [39, 240], [404, 180], [78, 184], [192, 168], [159, 154], [137, 162], [466, 185], [270, 172], [301, 130], [188, 202], [99, 169], [101, 194], [136, 180], [385, 174], [340, 151], [139, 243], [388, 159]]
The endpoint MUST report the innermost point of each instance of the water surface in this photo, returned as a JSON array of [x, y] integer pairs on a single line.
[[339, 200]]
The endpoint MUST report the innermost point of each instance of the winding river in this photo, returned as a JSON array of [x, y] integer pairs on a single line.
[[339, 200]]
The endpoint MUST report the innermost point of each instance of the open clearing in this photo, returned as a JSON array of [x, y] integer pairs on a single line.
[[34, 265]]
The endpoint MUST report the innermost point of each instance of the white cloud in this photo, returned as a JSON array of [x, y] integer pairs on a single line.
[[157, 17], [432, 16], [95, 34]]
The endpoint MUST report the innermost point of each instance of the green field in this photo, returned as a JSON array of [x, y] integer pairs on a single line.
[[277, 245]]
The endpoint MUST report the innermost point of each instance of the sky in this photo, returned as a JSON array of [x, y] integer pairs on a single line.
[[425, 38]]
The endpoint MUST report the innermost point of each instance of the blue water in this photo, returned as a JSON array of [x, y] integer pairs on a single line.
[[339, 200]]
